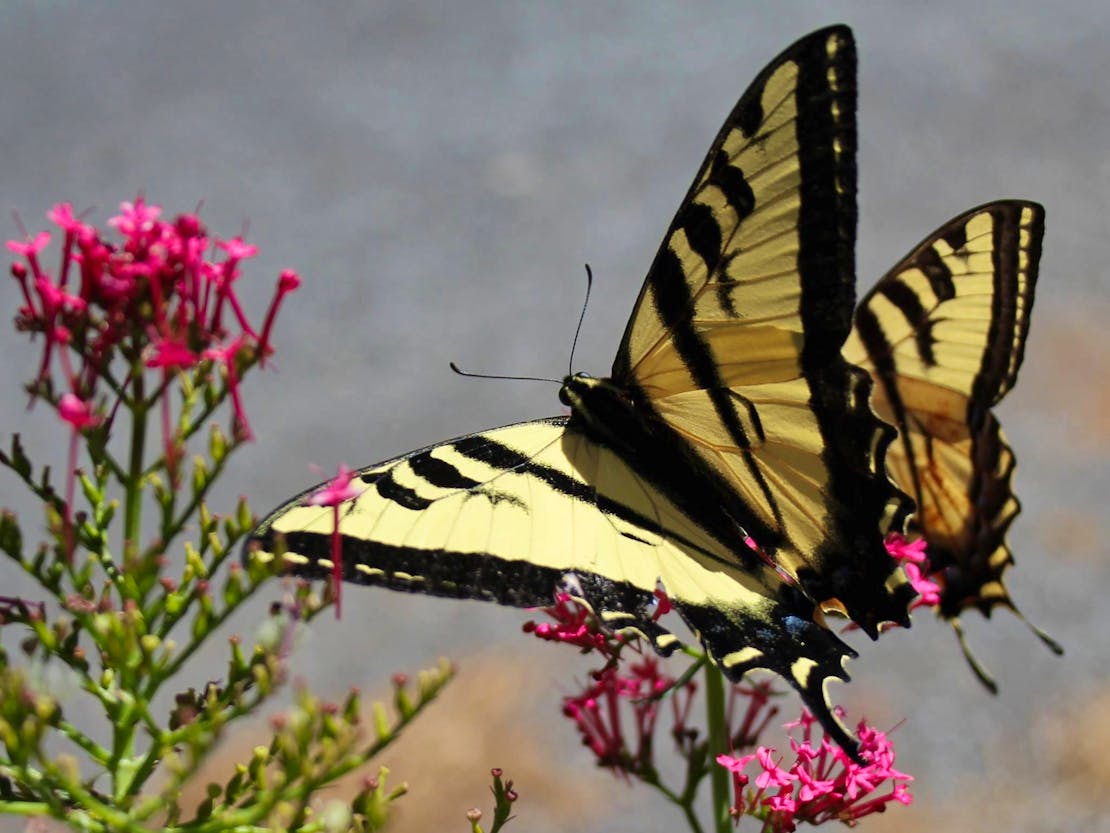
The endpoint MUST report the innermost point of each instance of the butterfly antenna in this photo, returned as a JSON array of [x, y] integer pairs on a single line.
[[462, 372], [581, 318]]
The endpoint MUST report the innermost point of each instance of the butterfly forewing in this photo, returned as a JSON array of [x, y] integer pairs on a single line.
[[513, 514], [734, 343]]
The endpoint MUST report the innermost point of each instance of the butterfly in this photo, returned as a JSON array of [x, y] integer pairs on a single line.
[[730, 417], [943, 333]]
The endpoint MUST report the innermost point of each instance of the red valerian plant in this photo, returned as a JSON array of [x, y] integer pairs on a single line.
[[618, 715], [142, 333]]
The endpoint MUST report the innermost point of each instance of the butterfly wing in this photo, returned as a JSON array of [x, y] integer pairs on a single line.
[[734, 344], [944, 334], [512, 515]]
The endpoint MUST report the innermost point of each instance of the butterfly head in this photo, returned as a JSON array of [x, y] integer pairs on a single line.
[[575, 388], [604, 408]]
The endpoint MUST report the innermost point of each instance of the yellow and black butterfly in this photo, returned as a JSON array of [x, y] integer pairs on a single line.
[[730, 414], [943, 333]]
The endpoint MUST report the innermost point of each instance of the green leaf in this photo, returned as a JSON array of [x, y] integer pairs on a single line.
[[11, 537]]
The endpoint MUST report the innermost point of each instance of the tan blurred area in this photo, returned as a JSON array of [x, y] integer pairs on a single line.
[[490, 715]]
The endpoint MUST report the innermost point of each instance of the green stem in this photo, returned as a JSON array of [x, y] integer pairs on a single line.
[[197, 423], [718, 745], [133, 501], [173, 526], [93, 749], [124, 730], [194, 645], [24, 808]]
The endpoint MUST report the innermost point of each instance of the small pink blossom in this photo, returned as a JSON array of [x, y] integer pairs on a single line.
[[171, 353], [77, 412], [55, 299], [663, 604], [30, 248], [237, 249], [911, 556], [336, 491], [135, 219], [773, 775], [227, 356], [289, 281], [928, 591], [617, 714], [901, 549], [735, 765]]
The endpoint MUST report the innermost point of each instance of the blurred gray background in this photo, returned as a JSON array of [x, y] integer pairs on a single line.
[[439, 172]]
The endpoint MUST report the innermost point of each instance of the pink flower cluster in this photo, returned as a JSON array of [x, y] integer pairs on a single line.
[[154, 297], [617, 714], [575, 624], [910, 555], [821, 784]]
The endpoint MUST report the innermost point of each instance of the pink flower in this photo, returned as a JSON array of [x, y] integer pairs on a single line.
[[575, 624], [928, 591], [77, 412], [617, 714], [773, 775], [61, 215], [237, 249], [30, 248], [227, 356], [336, 491], [136, 220], [288, 282], [901, 549], [912, 558], [171, 353]]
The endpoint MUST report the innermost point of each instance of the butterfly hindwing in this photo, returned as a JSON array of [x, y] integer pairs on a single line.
[[734, 344], [944, 334], [512, 515]]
